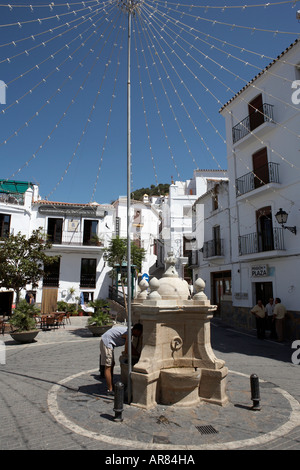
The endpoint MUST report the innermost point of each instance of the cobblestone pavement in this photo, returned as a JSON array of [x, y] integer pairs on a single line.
[[53, 398]]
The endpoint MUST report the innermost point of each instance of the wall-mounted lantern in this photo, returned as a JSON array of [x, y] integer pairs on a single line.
[[281, 218]]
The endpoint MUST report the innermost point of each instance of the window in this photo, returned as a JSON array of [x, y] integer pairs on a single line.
[[187, 211], [118, 221], [217, 240], [54, 231], [215, 198], [51, 277], [90, 231], [88, 272], [4, 225]]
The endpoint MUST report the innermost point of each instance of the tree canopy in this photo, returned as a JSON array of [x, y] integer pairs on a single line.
[[159, 190], [117, 253], [22, 260]]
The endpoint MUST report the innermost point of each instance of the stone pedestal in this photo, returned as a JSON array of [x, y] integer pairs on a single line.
[[177, 365]]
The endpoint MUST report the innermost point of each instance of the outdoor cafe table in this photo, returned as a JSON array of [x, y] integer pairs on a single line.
[[49, 320]]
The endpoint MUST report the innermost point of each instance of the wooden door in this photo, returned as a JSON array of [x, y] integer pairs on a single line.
[[256, 115], [49, 300], [265, 238], [260, 167]]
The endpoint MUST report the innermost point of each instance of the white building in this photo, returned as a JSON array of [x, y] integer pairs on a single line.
[[211, 260], [79, 234], [144, 227], [262, 129], [177, 216]]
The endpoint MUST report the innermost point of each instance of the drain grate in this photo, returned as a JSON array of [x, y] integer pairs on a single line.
[[208, 429]]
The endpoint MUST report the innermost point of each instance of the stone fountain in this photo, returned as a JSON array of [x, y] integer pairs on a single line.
[[177, 365]]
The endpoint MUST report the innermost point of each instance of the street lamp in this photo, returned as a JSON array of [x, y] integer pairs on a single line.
[[281, 218]]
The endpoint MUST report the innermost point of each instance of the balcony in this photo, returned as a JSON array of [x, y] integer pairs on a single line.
[[12, 198], [264, 175], [88, 281], [260, 243], [213, 248], [51, 280], [75, 239], [261, 115]]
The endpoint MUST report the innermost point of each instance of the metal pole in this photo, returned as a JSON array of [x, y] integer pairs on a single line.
[[128, 202]]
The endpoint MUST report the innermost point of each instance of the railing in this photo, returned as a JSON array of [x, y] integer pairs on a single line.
[[116, 295], [266, 174], [12, 198], [260, 242], [263, 114], [73, 239], [88, 280], [51, 281], [213, 248]]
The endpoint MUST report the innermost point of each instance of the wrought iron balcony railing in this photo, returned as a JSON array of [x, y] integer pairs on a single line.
[[260, 242], [12, 198], [263, 114], [88, 280], [51, 280], [266, 174], [213, 248]]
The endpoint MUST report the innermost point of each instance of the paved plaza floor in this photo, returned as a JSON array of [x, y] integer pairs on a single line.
[[53, 398]]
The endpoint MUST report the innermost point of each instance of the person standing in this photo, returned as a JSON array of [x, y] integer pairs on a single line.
[[270, 318], [279, 314], [259, 312]]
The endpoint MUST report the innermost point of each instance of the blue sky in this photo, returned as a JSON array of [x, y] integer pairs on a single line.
[[65, 66]]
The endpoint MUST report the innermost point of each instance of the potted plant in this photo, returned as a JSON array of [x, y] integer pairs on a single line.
[[62, 306], [95, 240], [100, 320], [23, 322]]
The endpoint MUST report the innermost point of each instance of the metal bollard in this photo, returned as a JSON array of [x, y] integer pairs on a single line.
[[255, 395], [119, 401]]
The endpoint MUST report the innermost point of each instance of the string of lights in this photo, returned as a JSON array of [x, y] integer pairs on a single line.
[[157, 34], [145, 112], [225, 7], [45, 79], [170, 47], [274, 97], [214, 78], [93, 107], [113, 96], [79, 90], [150, 45], [53, 38], [46, 18], [214, 21], [50, 57], [53, 5]]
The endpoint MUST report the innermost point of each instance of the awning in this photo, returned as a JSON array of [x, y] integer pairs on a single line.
[[9, 186]]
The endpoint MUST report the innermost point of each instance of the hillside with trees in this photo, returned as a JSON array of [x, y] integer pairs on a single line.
[[159, 190]]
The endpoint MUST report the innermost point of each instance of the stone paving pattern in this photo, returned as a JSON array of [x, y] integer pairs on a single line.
[[32, 371]]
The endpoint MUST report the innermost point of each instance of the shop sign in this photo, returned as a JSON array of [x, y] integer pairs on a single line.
[[259, 270]]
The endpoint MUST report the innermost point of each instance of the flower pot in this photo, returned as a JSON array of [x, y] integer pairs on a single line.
[[24, 336], [99, 330]]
